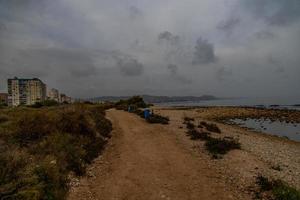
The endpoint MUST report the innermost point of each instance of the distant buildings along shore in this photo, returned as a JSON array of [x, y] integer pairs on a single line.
[[30, 91]]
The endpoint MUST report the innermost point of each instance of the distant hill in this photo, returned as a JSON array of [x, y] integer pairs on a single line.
[[158, 99]]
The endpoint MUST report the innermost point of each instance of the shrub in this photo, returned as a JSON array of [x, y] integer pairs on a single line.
[[47, 145], [187, 119], [52, 184], [36, 105], [190, 125], [196, 135], [139, 112], [75, 121], [221, 146], [103, 126], [3, 118], [135, 102], [279, 189], [49, 103], [32, 127], [154, 119], [211, 127]]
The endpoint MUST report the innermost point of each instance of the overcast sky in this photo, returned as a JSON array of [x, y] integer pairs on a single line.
[[89, 48]]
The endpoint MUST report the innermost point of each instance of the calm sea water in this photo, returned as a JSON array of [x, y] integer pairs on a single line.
[[280, 103], [282, 129]]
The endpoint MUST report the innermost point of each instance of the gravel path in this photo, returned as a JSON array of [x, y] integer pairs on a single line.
[[146, 161]]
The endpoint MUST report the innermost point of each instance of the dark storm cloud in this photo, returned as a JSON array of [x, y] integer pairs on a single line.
[[204, 52], [274, 12], [168, 37]]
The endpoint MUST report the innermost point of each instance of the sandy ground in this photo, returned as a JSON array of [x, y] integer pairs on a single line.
[[146, 161], [260, 153]]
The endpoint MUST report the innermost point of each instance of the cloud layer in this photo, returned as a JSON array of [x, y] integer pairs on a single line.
[[91, 48]]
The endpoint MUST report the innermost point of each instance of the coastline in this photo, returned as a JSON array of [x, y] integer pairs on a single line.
[[261, 153]]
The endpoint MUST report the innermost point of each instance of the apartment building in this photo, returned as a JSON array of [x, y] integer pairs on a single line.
[[65, 99], [53, 94], [25, 91]]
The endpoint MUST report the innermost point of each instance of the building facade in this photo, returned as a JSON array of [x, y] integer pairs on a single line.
[[65, 99], [53, 94], [3, 98], [25, 91]]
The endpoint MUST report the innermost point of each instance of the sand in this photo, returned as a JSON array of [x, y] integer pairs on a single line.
[[147, 161]]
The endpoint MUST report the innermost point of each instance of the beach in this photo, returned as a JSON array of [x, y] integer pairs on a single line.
[[260, 154]]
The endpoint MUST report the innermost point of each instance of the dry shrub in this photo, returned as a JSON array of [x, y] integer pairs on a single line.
[[52, 143]]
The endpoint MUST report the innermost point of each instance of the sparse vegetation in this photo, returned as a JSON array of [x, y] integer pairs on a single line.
[[46, 103], [3, 118], [42, 146], [134, 103], [276, 167], [158, 119], [190, 125], [187, 119], [216, 146], [198, 135], [211, 127], [221, 146], [279, 189]]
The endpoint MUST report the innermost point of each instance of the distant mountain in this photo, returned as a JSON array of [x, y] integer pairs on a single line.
[[158, 99]]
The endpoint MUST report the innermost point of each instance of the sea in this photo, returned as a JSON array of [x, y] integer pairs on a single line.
[[270, 102], [281, 129]]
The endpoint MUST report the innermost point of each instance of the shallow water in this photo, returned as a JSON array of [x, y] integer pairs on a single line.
[[275, 103], [282, 129]]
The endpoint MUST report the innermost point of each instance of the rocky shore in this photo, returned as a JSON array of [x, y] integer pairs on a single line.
[[260, 154]]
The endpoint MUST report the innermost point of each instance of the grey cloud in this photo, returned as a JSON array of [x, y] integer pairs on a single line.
[[229, 25], [135, 12], [204, 52], [276, 64], [264, 35], [168, 37], [129, 66], [71, 45], [173, 69], [274, 12], [223, 73]]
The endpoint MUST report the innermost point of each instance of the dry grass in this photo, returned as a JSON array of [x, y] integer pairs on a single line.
[[42, 146]]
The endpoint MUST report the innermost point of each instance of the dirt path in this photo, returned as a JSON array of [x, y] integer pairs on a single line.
[[145, 161]]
